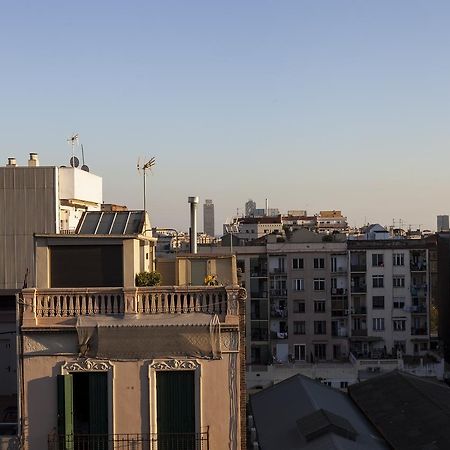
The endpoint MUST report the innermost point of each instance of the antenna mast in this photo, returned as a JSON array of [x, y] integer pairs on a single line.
[[73, 140], [148, 165]]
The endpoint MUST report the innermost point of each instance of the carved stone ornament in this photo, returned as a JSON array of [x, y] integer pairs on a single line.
[[87, 365], [174, 364], [229, 342]]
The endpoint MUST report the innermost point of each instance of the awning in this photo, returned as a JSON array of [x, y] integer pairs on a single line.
[[149, 336]]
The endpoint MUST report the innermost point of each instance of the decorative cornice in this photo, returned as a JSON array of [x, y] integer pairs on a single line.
[[87, 365], [174, 364]]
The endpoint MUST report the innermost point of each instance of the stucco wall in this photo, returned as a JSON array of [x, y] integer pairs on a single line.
[[130, 399]]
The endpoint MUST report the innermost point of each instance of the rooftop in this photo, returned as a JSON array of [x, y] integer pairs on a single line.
[[408, 411], [301, 413]]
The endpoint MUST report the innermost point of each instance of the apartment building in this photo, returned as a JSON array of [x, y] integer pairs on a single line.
[[308, 294], [391, 296], [297, 307], [108, 364]]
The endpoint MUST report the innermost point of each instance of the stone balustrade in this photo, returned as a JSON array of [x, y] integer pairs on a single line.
[[43, 306]]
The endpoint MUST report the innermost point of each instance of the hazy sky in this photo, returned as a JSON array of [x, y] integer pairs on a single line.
[[315, 104]]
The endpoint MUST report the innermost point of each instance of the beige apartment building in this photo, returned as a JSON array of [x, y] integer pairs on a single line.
[[105, 364], [308, 299]]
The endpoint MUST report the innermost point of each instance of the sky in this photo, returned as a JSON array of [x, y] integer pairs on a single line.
[[319, 104]]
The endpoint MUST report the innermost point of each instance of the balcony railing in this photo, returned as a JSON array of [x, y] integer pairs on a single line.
[[419, 331], [278, 335], [278, 313], [153, 441], [358, 267], [358, 289], [359, 333], [69, 303], [418, 266], [278, 292]]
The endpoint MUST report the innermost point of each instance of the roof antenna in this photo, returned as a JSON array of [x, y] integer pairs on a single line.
[[147, 166], [73, 140], [84, 166]]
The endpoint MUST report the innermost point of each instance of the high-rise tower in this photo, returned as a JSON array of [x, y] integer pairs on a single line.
[[208, 217]]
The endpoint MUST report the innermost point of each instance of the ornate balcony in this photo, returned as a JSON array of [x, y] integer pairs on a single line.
[[62, 306]]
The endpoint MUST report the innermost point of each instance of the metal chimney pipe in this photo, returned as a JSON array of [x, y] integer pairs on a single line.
[[267, 206], [193, 231], [12, 161]]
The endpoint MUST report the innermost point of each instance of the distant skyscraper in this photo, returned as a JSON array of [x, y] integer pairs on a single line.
[[250, 208], [208, 217], [442, 223]]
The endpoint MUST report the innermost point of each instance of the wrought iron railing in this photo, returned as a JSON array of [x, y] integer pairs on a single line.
[[153, 441]]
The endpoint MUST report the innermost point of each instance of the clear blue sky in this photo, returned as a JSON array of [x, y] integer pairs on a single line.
[[315, 104]]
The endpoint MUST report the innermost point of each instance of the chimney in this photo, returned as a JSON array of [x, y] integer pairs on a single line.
[[193, 231], [267, 207], [34, 160], [12, 162]]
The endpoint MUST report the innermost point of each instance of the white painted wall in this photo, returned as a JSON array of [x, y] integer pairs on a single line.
[[76, 184]]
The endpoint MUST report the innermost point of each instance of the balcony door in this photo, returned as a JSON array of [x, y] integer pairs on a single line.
[[175, 409], [83, 410]]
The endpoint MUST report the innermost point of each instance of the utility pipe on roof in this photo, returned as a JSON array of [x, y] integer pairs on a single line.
[[193, 231]]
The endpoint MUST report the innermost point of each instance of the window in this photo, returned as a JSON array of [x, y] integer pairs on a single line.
[[297, 263], [399, 324], [320, 351], [299, 284], [299, 306], [300, 327], [398, 259], [320, 327], [399, 302], [377, 281], [333, 283], [319, 284], [319, 306], [378, 324], [378, 260], [319, 263], [378, 302], [300, 352], [344, 384], [398, 281]]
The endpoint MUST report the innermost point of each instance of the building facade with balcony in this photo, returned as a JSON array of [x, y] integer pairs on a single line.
[[107, 364], [391, 296]]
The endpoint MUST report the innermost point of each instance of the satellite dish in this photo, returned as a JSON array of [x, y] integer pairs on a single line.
[[74, 161], [85, 168]]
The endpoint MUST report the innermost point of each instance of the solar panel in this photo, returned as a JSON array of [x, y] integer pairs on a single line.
[[90, 221], [109, 222]]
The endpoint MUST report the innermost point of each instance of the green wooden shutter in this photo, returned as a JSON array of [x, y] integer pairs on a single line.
[[98, 403], [65, 410], [175, 402]]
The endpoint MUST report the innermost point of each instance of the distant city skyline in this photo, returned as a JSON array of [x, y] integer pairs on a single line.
[[315, 105]]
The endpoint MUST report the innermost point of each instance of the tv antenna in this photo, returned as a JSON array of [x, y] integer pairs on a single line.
[[232, 226], [147, 166], [73, 140]]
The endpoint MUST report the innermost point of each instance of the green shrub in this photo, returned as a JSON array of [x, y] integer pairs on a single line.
[[148, 279]]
